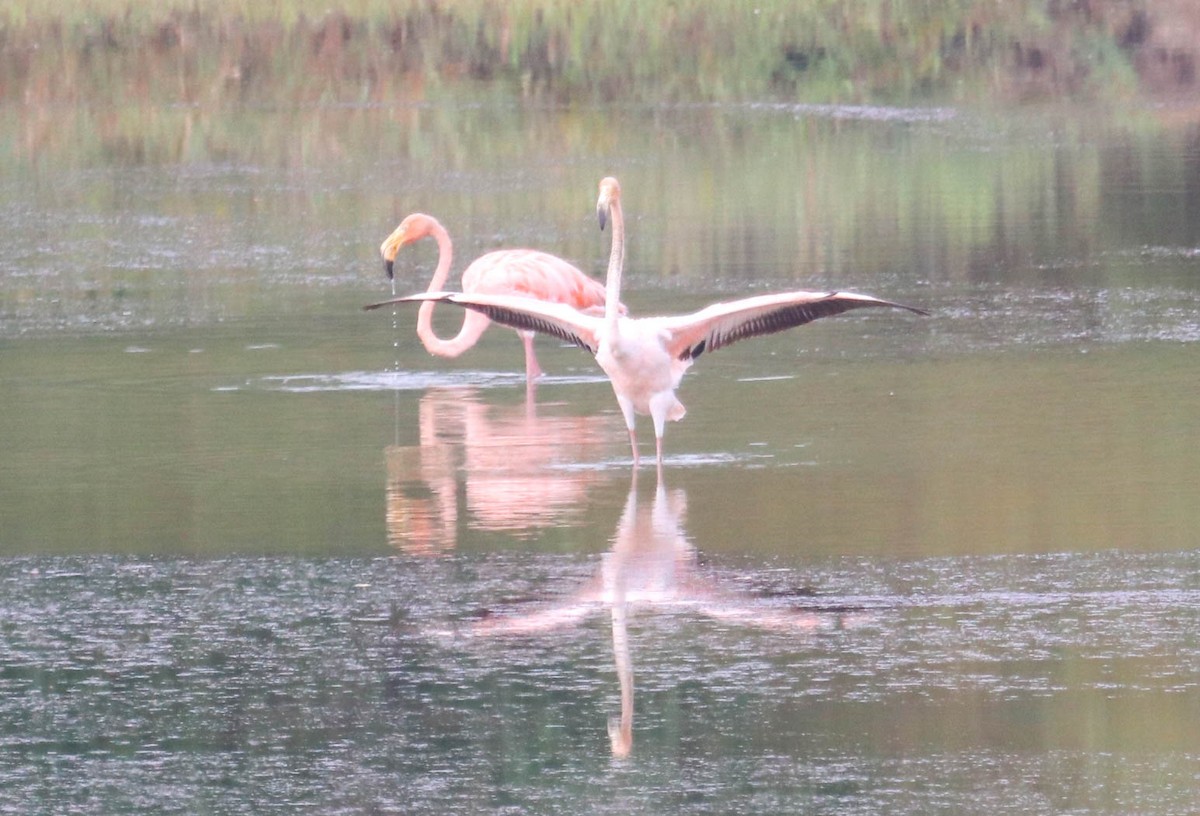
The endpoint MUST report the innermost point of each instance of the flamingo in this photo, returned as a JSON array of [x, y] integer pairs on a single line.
[[513, 272], [645, 358]]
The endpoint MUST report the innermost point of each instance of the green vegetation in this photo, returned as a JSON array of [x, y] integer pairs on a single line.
[[363, 51], [269, 115]]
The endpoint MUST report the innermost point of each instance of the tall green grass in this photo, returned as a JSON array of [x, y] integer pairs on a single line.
[[354, 51]]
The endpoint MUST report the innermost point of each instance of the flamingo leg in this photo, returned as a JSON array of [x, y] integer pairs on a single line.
[[532, 370], [660, 405], [627, 412]]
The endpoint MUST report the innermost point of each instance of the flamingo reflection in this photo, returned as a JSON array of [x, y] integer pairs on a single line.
[[651, 563], [511, 465]]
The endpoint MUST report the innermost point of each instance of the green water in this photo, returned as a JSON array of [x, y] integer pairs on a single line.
[[261, 553]]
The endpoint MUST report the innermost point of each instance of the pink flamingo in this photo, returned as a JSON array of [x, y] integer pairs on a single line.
[[523, 273], [645, 358]]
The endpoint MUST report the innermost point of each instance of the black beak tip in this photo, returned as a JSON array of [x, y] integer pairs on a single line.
[[387, 267], [602, 216]]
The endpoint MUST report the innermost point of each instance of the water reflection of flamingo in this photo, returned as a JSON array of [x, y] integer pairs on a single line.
[[508, 459], [645, 358], [522, 273], [651, 563]]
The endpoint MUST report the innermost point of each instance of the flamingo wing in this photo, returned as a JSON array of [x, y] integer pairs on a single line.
[[527, 314], [720, 324]]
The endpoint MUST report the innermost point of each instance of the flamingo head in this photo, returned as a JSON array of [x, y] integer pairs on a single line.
[[610, 192], [413, 228]]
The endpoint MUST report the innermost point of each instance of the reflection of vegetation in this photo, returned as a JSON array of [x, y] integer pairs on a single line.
[[249, 211], [369, 50], [756, 191]]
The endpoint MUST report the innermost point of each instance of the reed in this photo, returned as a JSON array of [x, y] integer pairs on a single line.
[[364, 51]]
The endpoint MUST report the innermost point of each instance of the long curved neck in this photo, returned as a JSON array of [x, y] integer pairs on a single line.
[[445, 255], [616, 264], [473, 324]]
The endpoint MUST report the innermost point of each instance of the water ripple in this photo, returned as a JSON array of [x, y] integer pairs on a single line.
[[402, 381], [174, 685]]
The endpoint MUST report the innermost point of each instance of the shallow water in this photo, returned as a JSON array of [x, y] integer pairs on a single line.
[[261, 553], [409, 684]]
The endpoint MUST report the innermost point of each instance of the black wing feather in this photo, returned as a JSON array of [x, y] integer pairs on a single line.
[[523, 321], [513, 318], [786, 316]]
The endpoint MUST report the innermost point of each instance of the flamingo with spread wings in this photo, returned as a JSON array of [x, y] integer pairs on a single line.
[[645, 358], [525, 273]]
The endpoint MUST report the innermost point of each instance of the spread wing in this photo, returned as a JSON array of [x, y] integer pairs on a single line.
[[527, 314], [719, 325]]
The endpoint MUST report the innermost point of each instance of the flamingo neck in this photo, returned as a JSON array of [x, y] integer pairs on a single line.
[[445, 256], [616, 264], [472, 326]]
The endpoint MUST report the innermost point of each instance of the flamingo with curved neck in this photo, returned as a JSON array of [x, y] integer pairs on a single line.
[[645, 358], [516, 272]]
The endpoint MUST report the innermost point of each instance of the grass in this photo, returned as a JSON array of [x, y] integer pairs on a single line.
[[356, 51]]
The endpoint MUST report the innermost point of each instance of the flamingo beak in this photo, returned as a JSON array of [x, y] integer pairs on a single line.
[[602, 208], [608, 193], [390, 247]]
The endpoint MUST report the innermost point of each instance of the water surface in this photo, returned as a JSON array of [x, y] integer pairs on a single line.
[[261, 553]]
